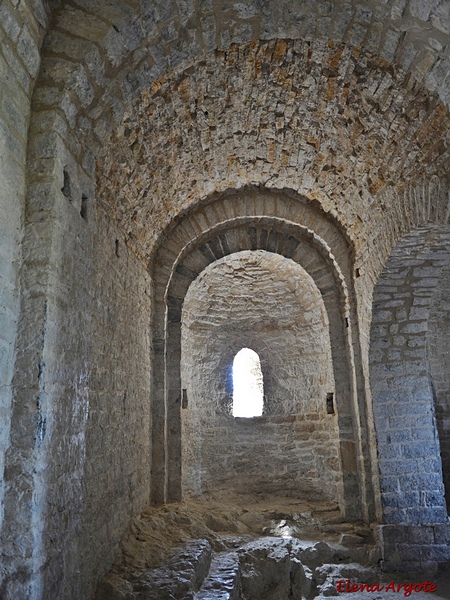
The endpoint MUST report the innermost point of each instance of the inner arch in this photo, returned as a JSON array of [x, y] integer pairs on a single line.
[[269, 234]]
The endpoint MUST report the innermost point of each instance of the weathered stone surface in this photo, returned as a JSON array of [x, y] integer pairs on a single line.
[[223, 580], [326, 577], [16, 31], [265, 569], [350, 541], [183, 575], [114, 587], [270, 567]]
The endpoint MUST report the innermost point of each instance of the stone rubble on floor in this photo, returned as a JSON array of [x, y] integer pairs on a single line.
[[269, 568]]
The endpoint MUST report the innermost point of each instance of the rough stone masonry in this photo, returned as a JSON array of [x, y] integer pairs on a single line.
[[151, 153]]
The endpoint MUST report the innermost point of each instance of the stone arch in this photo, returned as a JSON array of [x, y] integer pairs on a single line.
[[174, 274], [111, 41], [357, 79], [223, 139], [70, 125]]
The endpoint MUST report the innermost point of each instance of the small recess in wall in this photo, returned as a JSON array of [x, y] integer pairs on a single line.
[[330, 403], [84, 206], [117, 248], [184, 399], [66, 185]]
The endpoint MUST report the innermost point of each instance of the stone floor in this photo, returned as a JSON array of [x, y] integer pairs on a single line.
[[253, 548]]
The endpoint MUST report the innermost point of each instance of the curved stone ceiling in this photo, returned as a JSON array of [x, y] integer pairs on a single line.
[[323, 120], [97, 56], [354, 108]]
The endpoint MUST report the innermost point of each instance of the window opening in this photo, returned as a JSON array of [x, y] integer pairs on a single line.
[[248, 389]]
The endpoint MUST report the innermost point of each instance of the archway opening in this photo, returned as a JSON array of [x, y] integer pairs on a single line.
[[248, 386], [265, 302]]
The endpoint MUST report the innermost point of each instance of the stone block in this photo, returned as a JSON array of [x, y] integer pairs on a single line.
[[11, 141], [28, 51], [8, 20], [440, 17]]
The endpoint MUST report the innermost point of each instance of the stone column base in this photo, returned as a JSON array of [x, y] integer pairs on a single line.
[[414, 548]]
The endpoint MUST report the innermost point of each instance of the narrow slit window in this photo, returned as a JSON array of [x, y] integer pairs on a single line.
[[248, 389]]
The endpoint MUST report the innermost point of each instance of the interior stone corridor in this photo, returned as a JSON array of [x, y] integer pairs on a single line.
[[182, 179]]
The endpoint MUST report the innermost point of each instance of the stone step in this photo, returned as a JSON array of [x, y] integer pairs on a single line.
[[185, 573]]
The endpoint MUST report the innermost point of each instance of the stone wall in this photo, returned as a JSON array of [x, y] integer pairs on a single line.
[[21, 31], [439, 357], [89, 411], [72, 398], [414, 548], [50, 390], [116, 477], [268, 303]]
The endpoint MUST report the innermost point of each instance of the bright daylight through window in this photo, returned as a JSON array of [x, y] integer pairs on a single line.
[[248, 394]]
